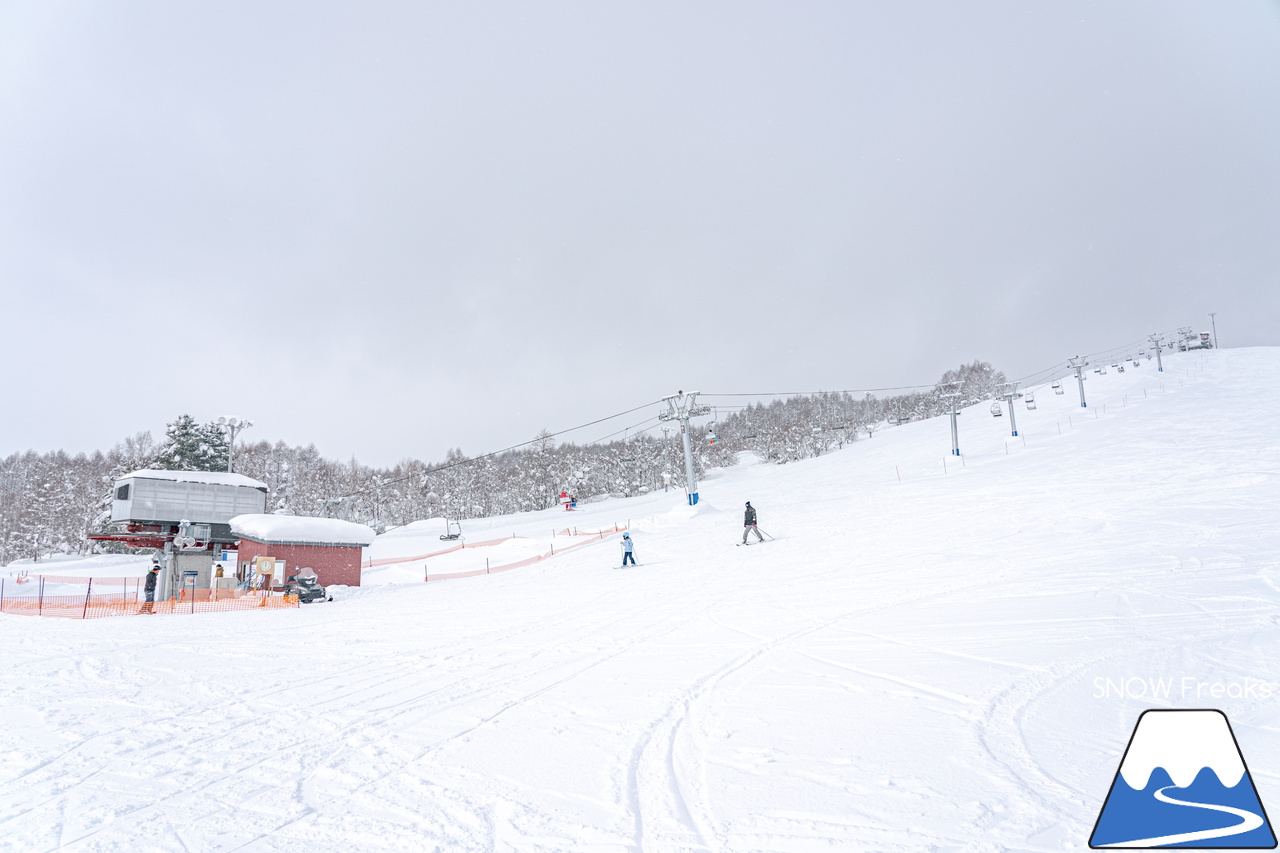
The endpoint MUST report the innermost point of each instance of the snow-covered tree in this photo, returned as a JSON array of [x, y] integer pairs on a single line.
[[190, 446]]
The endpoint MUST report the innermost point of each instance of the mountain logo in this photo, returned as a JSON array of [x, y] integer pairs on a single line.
[[1183, 783]]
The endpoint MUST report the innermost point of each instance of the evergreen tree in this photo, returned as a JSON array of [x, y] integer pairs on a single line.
[[190, 446]]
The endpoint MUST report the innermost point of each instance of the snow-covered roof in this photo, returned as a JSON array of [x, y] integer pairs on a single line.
[[300, 530], [216, 478]]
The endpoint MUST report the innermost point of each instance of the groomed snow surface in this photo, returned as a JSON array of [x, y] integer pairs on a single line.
[[952, 662]]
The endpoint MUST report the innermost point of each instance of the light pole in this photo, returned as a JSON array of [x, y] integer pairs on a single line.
[[1156, 339], [233, 427], [1213, 315], [681, 407], [1079, 363], [1009, 392]]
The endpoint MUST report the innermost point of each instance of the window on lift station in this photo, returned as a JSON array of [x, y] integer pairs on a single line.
[[122, 493]]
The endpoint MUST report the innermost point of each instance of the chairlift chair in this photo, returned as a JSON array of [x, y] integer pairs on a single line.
[[1031, 400], [996, 411], [1057, 388], [452, 530], [1119, 368]]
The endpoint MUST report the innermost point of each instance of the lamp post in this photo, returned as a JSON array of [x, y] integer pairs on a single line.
[[233, 426]]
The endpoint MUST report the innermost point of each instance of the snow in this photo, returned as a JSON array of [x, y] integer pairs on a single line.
[[97, 566], [953, 660], [277, 529], [214, 478]]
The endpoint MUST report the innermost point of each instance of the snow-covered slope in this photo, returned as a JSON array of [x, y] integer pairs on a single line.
[[924, 657]]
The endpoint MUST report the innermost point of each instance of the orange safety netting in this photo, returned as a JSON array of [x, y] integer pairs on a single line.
[[387, 561], [528, 561], [125, 604], [123, 581]]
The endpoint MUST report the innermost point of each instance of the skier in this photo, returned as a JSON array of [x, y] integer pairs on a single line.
[[628, 550], [150, 588], [749, 524]]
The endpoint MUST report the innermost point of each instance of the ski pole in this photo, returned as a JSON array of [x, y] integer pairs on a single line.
[[765, 533]]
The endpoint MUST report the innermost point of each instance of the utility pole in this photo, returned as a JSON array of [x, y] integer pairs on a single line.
[[950, 391], [233, 427], [681, 407], [1213, 315], [1156, 339], [1009, 392], [1079, 363]]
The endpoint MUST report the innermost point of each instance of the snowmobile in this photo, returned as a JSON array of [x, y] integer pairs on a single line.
[[306, 589]]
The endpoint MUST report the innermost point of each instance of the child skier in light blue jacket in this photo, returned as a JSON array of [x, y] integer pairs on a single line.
[[628, 550]]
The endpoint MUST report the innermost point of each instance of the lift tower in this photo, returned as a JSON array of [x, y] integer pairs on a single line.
[[1079, 363], [681, 407]]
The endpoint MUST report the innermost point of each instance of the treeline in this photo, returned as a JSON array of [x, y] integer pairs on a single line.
[[50, 502], [803, 427]]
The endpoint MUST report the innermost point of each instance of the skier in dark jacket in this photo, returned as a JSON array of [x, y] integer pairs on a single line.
[[150, 588], [749, 524]]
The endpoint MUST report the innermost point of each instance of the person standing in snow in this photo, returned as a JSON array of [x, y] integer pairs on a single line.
[[150, 588], [749, 524], [628, 550]]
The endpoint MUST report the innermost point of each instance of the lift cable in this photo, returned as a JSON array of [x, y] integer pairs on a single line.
[[439, 468]]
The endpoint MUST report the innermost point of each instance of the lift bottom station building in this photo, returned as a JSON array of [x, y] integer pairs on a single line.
[[210, 532]]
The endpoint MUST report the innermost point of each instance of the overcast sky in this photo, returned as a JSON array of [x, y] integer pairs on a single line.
[[395, 228]]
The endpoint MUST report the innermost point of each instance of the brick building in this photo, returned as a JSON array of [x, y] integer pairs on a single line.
[[333, 548]]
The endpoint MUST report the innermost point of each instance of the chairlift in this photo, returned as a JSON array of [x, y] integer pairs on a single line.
[[1099, 370], [1119, 368], [452, 530], [712, 438], [1135, 362], [1057, 387], [1031, 400], [996, 411]]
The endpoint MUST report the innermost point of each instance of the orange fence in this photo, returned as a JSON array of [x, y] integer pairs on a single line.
[[130, 601], [387, 561], [528, 561]]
